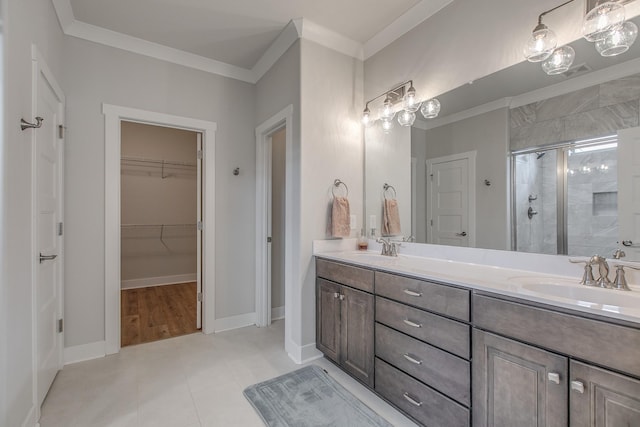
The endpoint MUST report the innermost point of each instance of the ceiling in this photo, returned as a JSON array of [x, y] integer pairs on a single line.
[[239, 32]]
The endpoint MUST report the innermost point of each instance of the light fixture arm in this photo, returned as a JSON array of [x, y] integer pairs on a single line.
[[551, 10], [386, 93]]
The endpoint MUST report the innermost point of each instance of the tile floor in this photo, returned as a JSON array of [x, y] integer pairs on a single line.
[[189, 381]]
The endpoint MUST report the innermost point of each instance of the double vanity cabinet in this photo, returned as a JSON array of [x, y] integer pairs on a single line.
[[449, 355]]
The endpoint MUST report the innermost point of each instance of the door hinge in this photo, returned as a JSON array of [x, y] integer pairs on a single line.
[[199, 296], [269, 239], [431, 176], [60, 131], [60, 326], [200, 226], [60, 229], [431, 221], [200, 154]]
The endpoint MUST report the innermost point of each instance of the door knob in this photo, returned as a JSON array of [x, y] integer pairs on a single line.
[[47, 257], [463, 234]]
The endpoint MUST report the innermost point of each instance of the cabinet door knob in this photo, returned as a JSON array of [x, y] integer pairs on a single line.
[[411, 400], [336, 295], [341, 297], [577, 386], [412, 324], [554, 377]]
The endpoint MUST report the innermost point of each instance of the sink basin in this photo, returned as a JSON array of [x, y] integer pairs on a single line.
[[586, 296], [370, 257]]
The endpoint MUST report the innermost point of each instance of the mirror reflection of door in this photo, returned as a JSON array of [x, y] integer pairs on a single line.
[[451, 200], [629, 191]]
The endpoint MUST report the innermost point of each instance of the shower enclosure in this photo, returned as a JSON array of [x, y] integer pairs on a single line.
[[565, 198]]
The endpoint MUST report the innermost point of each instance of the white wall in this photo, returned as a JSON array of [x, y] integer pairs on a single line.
[[278, 220], [97, 74], [331, 147], [466, 40], [27, 22]]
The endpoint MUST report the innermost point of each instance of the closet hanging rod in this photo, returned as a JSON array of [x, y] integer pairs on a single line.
[[157, 162], [133, 226]]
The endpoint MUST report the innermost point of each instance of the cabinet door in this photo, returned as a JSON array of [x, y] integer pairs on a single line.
[[515, 384], [357, 336], [600, 398], [328, 318]]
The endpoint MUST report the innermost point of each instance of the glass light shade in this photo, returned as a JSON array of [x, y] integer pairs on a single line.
[[410, 101], [560, 60], [618, 41], [606, 16], [541, 44], [406, 118], [386, 111], [367, 120], [387, 125], [430, 109]]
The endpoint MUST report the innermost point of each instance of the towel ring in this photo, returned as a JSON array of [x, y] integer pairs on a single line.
[[386, 187], [336, 184]]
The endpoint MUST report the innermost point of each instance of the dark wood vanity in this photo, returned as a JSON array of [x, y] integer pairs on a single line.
[[449, 356]]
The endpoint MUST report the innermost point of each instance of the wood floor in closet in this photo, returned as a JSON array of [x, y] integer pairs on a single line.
[[157, 312]]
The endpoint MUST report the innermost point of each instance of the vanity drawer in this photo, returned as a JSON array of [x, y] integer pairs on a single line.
[[441, 332], [596, 341], [356, 277], [421, 402], [441, 299], [443, 371]]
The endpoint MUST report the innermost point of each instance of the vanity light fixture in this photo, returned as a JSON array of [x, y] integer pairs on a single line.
[[406, 114], [618, 40], [604, 17], [560, 60], [543, 41]]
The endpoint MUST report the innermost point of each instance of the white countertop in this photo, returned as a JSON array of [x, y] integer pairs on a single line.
[[560, 291]]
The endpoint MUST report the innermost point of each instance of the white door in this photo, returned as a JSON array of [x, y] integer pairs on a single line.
[[199, 236], [48, 229], [629, 191], [451, 200]]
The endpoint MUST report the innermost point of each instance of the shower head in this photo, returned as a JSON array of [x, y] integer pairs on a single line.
[[540, 155]]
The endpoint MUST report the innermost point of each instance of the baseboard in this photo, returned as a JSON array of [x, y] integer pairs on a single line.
[[277, 313], [80, 353], [235, 322], [303, 354], [31, 418], [158, 281]]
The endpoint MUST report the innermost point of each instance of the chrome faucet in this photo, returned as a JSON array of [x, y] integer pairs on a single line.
[[389, 248], [603, 270]]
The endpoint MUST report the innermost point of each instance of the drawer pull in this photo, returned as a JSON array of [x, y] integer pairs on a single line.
[[554, 377], [412, 359], [577, 386], [412, 400], [413, 324], [412, 293]]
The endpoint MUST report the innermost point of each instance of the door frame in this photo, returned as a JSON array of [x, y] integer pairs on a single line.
[[470, 156], [114, 115], [283, 119], [39, 66]]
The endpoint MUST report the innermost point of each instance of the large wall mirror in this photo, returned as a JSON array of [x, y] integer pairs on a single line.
[[519, 160]]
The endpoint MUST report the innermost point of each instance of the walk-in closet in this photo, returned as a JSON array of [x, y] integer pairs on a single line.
[[160, 205]]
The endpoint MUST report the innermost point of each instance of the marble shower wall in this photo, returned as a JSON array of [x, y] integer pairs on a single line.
[[586, 113]]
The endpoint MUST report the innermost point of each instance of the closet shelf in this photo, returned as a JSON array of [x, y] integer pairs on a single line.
[[148, 226], [164, 168]]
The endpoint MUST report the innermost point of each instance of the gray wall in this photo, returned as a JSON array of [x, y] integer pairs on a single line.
[[26, 22], [331, 147], [488, 134], [96, 74]]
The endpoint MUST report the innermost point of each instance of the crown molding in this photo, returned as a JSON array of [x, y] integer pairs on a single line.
[[467, 114], [309, 30], [282, 43], [65, 13], [403, 24]]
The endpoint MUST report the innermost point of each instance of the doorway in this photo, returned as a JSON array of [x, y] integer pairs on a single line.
[[160, 240], [277, 220], [114, 115]]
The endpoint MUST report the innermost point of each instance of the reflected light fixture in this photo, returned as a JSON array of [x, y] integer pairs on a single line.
[[406, 114], [541, 43], [560, 60], [430, 109], [604, 17], [618, 41]]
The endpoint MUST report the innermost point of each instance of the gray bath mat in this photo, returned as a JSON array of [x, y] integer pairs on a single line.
[[309, 397]]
